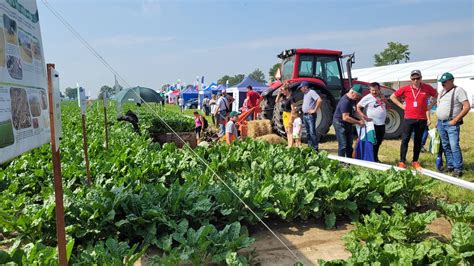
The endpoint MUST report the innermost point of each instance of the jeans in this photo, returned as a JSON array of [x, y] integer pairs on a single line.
[[379, 134], [309, 123], [344, 135], [410, 126], [207, 110], [221, 121], [450, 143]]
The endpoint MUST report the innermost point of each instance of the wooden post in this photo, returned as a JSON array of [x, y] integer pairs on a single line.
[[86, 154], [58, 187]]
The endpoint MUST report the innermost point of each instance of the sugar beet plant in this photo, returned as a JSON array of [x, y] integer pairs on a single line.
[[146, 195]]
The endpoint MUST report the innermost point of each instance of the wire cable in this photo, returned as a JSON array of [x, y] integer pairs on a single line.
[[111, 69]]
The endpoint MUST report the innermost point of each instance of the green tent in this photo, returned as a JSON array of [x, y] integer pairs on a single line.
[[137, 95]]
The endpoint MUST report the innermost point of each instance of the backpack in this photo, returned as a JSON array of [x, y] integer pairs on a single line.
[[206, 124]]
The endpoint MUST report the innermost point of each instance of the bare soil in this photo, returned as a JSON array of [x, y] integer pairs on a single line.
[[309, 240]]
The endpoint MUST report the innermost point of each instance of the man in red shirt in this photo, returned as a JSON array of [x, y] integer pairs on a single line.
[[252, 99], [416, 97]]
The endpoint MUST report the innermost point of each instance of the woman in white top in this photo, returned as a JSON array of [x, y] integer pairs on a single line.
[[375, 106]]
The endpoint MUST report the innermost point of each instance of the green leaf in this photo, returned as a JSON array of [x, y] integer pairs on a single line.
[[69, 247], [375, 197], [4, 257], [330, 220]]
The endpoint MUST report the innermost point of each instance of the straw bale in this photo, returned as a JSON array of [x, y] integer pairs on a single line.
[[272, 139], [257, 128]]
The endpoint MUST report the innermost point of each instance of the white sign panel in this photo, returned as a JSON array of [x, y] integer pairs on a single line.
[[24, 114], [81, 98], [106, 99], [57, 108]]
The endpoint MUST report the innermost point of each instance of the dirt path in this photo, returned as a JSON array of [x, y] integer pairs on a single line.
[[310, 241]]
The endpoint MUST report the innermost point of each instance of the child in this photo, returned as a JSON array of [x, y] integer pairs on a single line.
[[296, 121], [199, 126]]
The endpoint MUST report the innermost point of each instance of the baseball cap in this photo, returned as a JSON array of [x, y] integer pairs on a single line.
[[445, 77], [303, 84], [415, 72], [357, 89], [233, 113]]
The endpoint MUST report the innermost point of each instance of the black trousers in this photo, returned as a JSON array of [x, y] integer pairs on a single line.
[[379, 134], [410, 126]]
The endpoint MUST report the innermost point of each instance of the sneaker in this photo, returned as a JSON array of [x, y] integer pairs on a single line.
[[416, 165], [457, 173], [402, 165]]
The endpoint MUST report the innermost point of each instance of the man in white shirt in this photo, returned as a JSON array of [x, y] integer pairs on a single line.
[[453, 105]]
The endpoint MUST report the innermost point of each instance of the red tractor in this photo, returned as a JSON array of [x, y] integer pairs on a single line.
[[323, 70]]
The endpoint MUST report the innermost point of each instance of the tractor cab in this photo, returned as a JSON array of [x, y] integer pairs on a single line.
[[321, 67]]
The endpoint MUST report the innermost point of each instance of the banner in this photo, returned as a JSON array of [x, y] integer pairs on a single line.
[[81, 99], [24, 114]]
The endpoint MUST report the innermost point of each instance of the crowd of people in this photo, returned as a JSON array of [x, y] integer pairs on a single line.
[[419, 98], [355, 109]]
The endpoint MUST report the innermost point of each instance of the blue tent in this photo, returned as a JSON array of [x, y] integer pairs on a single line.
[[208, 90], [219, 88], [257, 86], [189, 93], [239, 91]]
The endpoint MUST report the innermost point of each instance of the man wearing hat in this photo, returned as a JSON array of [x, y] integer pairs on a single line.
[[311, 104], [230, 128], [453, 105], [344, 118], [224, 104], [416, 97]]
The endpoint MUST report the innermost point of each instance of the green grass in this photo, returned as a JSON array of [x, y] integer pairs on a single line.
[[175, 108]]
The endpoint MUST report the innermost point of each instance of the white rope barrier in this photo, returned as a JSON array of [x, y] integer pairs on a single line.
[[385, 167]]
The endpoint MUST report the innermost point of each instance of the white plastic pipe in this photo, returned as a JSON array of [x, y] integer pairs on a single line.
[[384, 167]]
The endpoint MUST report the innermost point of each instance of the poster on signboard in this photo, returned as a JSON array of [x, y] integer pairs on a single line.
[[24, 114], [81, 98]]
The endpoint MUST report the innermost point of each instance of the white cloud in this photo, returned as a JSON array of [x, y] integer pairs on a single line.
[[127, 40]]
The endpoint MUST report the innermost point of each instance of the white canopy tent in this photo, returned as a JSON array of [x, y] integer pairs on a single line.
[[462, 68]]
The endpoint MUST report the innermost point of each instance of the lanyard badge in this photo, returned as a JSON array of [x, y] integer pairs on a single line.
[[415, 103]]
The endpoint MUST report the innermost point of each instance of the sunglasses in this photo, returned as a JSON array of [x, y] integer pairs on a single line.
[[413, 79]]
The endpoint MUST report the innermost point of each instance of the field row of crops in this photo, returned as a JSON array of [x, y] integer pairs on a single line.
[[145, 195]]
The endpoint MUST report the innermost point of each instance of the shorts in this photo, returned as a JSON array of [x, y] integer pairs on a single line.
[[197, 130], [286, 119]]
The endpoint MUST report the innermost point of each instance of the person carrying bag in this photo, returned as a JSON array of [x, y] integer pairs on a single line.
[[365, 148]]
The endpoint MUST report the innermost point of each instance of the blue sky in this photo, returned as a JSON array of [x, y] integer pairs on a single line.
[[153, 42]]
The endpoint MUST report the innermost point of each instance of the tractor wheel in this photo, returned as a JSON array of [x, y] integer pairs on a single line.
[[277, 120], [267, 105], [323, 118], [393, 122]]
